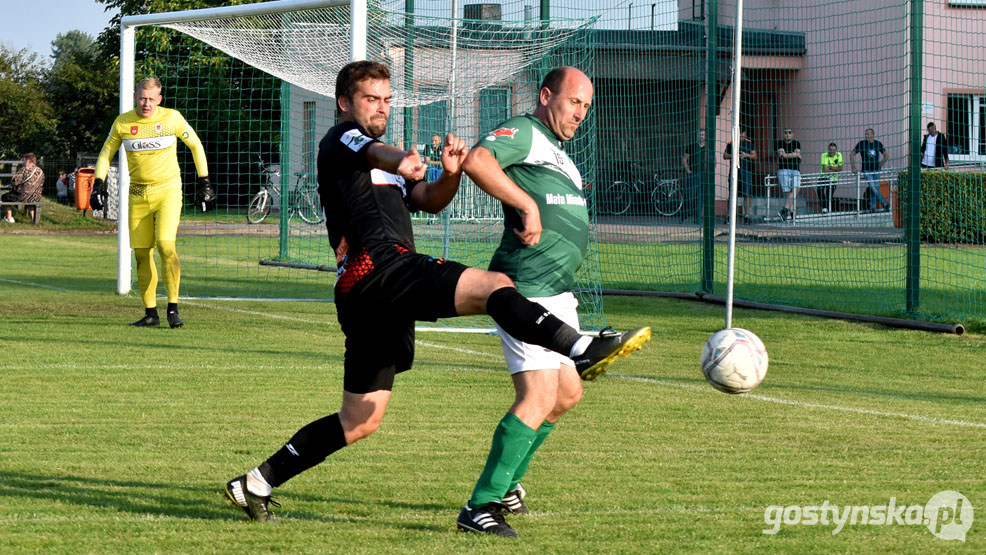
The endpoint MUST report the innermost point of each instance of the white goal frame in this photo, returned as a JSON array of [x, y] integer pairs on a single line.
[[128, 27]]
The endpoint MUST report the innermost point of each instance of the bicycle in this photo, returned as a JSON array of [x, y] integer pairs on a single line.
[[667, 197], [304, 200], [618, 197]]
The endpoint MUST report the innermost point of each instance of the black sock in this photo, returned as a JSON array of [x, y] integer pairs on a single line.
[[172, 307], [529, 321], [152, 312], [308, 447]]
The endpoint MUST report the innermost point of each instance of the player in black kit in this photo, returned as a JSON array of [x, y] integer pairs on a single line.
[[383, 286]]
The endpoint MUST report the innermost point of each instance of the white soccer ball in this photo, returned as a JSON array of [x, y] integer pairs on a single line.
[[734, 360]]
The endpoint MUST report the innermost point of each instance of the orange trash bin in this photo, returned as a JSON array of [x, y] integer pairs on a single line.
[[84, 179]]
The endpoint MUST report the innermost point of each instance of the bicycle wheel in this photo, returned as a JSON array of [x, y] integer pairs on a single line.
[[259, 207], [310, 206], [667, 199], [619, 197]]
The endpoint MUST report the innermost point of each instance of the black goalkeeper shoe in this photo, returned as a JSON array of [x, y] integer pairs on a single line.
[[488, 520], [146, 321], [255, 506], [514, 501], [608, 347], [174, 320]]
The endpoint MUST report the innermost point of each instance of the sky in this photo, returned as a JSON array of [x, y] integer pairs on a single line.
[[33, 24]]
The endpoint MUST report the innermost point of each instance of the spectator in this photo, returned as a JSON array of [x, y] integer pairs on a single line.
[[831, 163], [788, 170], [693, 160], [433, 158], [71, 185], [25, 186], [747, 155], [869, 150], [934, 149], [61, 186]]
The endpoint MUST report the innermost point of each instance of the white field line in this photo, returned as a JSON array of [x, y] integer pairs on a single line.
[[259, 313], [41, 285], [804, 404], [751, 396]]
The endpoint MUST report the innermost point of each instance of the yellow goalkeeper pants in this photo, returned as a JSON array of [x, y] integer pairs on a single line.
[[154, 215]]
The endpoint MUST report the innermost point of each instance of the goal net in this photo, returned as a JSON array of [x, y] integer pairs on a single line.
[[257, 84]]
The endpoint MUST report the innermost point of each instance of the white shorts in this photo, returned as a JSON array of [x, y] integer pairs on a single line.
[[522, 357]]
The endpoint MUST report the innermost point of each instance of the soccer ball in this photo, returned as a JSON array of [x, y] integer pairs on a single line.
[[734, 360]]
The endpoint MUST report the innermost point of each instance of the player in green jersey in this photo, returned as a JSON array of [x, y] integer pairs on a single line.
[[546, 232]]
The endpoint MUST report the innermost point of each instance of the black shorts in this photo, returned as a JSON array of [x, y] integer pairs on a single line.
[[378, 314]]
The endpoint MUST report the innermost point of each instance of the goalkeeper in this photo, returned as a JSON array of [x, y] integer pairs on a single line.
[[149, 133]]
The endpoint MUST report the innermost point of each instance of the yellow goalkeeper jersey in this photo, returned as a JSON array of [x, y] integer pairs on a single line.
[[151, 146]]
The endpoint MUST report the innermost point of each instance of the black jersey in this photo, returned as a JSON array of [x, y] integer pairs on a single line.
[[365, 208]]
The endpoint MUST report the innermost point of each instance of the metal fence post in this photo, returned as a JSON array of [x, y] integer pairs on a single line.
[[912, 224], [708, 184]]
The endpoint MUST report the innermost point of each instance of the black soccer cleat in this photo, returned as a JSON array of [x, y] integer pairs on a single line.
[[174, 320], [514, 501], [147, 321], [487, 520], [255, 506], [607, 348]]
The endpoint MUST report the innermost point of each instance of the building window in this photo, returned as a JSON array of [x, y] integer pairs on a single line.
[[966, 124], [310, 145]]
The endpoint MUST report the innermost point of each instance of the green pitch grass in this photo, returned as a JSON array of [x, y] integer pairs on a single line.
[[119, 440]]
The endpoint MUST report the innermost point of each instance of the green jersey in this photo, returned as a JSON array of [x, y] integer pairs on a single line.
[[531, 156]]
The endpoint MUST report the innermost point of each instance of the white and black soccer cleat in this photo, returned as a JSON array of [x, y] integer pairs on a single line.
[[607, 348], [487, 520], [514, 501], [255, 506]]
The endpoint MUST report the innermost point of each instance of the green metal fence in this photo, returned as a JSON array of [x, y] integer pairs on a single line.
[[879, 240]]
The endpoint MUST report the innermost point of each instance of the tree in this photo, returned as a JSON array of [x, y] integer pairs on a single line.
[[68, 44], [26, 117], [109, 39], [83, 90]]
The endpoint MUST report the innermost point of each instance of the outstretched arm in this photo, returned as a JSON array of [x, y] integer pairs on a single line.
[[434, 197], [405, 163], [482, 167]]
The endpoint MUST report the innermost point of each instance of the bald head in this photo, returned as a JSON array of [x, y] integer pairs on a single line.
[[564, 100]]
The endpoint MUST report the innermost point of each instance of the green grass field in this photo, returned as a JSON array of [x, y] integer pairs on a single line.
[[114, 439]]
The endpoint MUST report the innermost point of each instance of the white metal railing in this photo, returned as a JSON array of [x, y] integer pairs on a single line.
[[844, 185]]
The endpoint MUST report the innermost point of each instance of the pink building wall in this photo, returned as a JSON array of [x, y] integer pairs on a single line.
[[855, 72]]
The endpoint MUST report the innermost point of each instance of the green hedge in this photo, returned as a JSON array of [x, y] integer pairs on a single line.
[[953, 205]]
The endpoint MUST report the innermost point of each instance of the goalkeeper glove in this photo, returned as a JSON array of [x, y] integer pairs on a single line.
[[206, 197], [99, 197]]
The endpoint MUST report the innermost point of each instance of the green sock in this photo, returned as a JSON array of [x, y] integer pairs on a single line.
[[542, 434], [511, 442]]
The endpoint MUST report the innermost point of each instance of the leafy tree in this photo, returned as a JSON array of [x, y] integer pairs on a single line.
[[26, 117], [83, 89], [68, 44]]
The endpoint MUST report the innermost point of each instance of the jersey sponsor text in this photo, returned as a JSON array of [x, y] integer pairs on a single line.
[[152, 143], [568, 198]]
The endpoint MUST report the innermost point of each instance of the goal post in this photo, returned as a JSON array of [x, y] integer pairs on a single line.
[[128, 27], [257, 81]]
